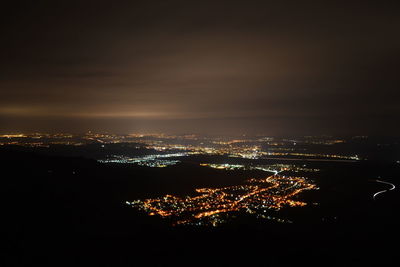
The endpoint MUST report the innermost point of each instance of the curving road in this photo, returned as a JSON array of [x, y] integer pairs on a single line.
[[383, 191]]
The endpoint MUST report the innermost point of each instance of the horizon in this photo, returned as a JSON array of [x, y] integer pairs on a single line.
[[14, 134]]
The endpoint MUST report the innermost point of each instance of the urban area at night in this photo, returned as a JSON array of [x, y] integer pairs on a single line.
[[199, 133]]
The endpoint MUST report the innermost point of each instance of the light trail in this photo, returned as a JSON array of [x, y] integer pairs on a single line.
[[383, 191]]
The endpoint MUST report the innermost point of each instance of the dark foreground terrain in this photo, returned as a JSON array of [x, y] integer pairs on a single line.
[[65, 211]]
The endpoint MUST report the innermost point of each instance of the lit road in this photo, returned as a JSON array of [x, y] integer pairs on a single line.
[[383, 191]]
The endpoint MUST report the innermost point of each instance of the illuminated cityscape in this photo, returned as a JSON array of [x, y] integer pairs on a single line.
[[157, 160], [249, 148], [200, 133], [152, 184], [213, 206], [267, 168]]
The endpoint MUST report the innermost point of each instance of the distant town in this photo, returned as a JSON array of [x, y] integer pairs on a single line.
[[167, 149]]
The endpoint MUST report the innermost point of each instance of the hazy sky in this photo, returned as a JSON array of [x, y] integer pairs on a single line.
[[272, 67]]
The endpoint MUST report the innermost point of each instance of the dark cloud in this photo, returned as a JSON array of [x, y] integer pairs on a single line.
[[221, 66]]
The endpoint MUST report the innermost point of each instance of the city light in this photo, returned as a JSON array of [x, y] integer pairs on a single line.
[[213, 206]]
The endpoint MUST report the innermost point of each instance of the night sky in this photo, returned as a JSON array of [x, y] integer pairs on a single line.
[[218, 67]]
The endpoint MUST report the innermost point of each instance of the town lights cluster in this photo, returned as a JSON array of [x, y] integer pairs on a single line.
[[157, 160], [267, 168], [249, 148], [213, 206]]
